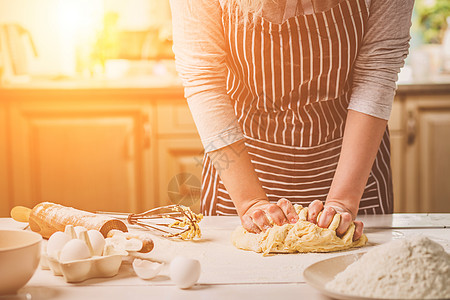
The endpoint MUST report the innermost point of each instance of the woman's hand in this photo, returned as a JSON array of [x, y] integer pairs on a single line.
[[256, 218], [328, 212]]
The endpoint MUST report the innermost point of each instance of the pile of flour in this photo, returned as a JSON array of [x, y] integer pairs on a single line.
[[414, 268]]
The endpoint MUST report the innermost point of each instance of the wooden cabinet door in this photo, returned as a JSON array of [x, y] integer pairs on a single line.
[[434, 163], [179, 171], [90, 156], [427, 165]]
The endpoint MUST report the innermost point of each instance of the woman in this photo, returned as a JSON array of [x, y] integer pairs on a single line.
[[291, 100]]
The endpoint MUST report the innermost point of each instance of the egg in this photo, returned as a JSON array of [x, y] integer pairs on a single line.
[[184, 271], [97, 241], [146, 269], [56, 242], [74, 250]]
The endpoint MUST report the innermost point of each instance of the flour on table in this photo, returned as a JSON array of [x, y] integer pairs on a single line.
[[414, 268], [302, 236]]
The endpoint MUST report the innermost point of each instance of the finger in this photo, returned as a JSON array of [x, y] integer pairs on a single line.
[[359, 226], [326, 217], [288, 210], [260, 219], [248, 224], [346, 220], [276, 214], [335, 222], [313, 210]]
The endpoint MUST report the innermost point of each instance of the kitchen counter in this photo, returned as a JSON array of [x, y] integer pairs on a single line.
[[130, 87], [172, 83], [226, 271], [433, 88]]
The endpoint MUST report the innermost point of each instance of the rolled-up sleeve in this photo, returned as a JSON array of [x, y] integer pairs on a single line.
[[199, 47], [382, 54]]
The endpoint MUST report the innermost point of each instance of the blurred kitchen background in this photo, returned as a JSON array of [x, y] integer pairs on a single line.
[[92, 113]]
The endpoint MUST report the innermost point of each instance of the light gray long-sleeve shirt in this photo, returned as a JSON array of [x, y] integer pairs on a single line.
[[199, 47]]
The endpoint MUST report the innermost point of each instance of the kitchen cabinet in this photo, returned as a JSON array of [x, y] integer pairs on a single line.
[[180, 170], [4, 187], [420, 138], [95, 149], [180, 154], [428, 153], [80, 150]]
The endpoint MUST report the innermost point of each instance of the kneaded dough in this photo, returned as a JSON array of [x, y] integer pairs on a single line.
[[302, 236]]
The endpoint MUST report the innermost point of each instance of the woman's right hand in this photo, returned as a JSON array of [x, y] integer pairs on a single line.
[[328, 211], [257, 217]]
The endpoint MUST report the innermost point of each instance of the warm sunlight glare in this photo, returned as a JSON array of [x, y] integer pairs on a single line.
[[79, 22]]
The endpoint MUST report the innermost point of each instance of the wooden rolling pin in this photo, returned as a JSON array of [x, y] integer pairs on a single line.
[[47, 218]]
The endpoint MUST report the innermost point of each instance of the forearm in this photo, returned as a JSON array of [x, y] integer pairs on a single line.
[[238, 175], [362, 138]]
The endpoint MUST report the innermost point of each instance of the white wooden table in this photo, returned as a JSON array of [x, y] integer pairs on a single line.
[[227, 273]]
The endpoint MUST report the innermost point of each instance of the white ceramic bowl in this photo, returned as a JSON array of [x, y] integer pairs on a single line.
[[20, 252]]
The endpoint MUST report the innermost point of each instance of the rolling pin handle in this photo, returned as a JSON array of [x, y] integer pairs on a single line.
[[20, 213]]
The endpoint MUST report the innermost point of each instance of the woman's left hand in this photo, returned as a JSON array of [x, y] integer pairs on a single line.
[[328, 211]]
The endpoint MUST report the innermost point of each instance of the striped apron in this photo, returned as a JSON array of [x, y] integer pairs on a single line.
[[290, 84]]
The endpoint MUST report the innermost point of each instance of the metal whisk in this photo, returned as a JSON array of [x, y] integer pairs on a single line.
[[184, 225]]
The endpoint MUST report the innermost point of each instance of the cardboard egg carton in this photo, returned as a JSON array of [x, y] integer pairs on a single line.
[[105, 265]]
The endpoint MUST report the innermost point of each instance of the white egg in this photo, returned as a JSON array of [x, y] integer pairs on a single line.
[[184, 271], [146, 269], [97, 241], [56, 242], [74, 250]]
